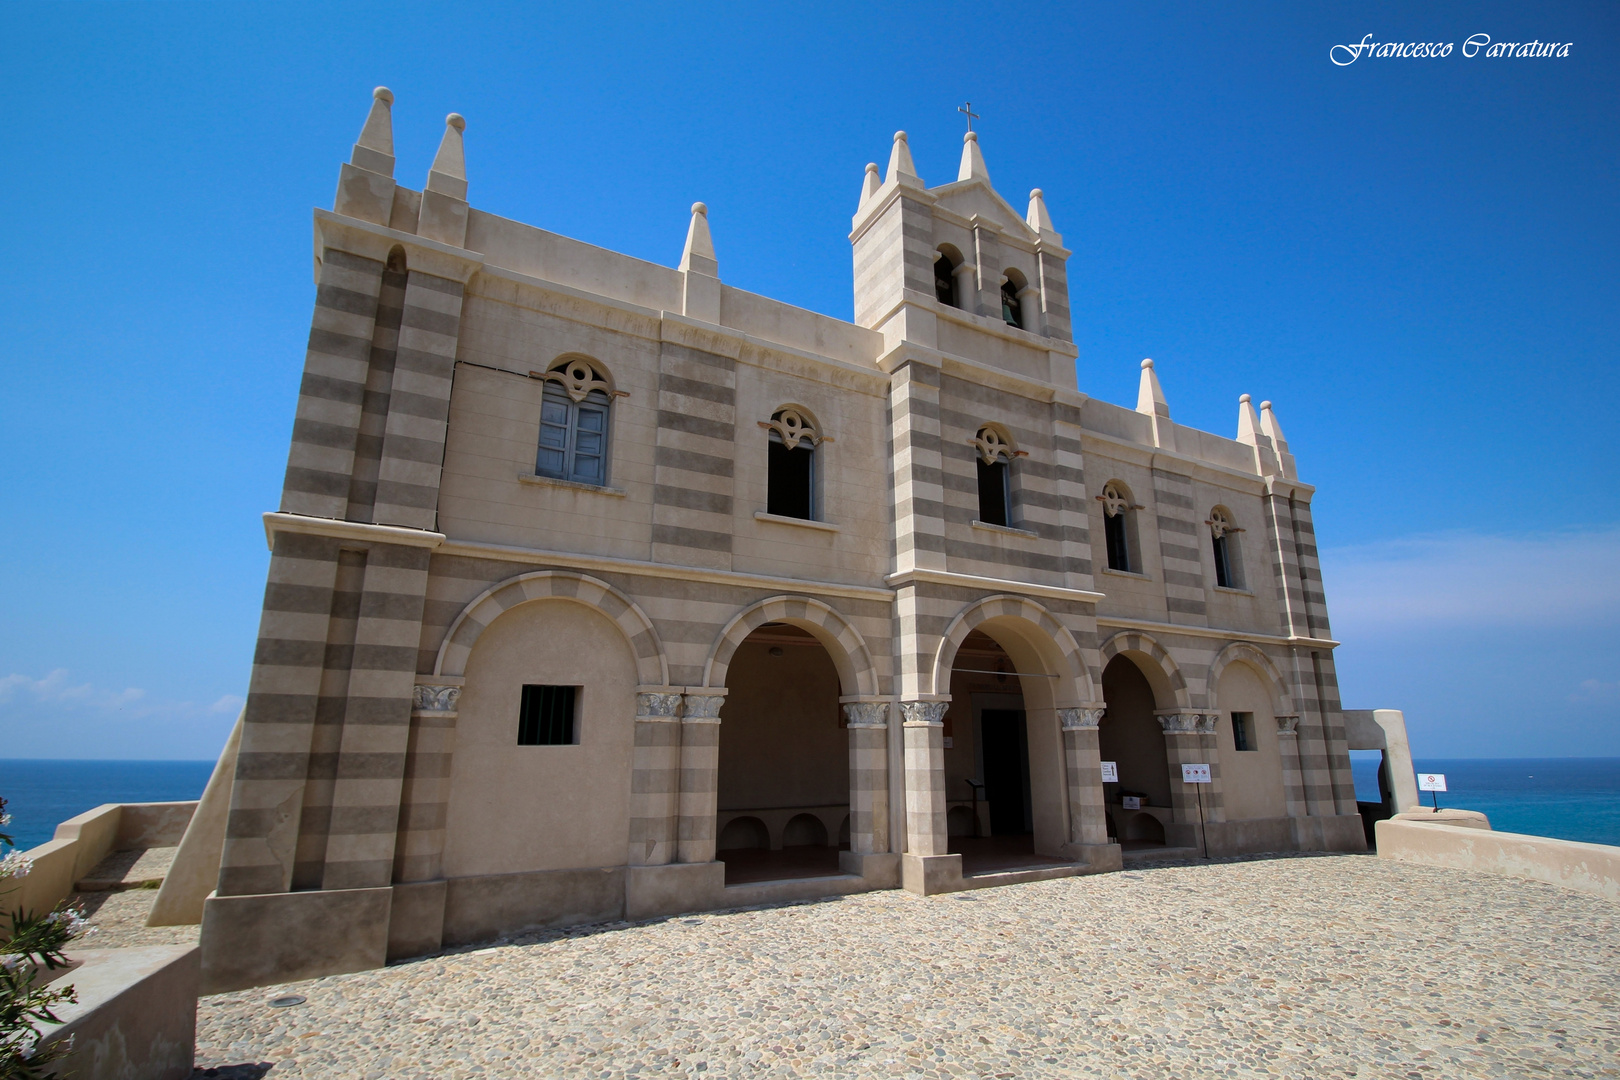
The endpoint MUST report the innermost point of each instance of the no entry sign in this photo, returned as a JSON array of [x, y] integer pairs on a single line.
[[1431, 781], [1195, 774]]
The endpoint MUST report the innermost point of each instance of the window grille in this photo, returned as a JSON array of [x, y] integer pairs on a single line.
[[546, 715]]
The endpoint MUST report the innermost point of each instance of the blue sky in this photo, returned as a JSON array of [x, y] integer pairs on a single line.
[[1416, 259]]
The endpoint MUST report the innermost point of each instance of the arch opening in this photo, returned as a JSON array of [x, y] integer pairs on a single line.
[[784, 758], [1004, 779], [1131, 737]]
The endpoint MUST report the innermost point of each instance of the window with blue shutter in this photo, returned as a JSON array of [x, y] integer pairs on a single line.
[[574, 425]]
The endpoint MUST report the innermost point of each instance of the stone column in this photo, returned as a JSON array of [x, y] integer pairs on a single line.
[[1209, 751], [700, 774], [868, 776], [1182, 746], [925, 776], [1088, 821], [1288, 750], [425, 800], [655, 778]]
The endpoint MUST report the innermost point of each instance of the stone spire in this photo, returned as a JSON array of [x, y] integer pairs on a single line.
[[973, 165], [1150, 402], [366, 183], [900, 165], [449, 172], [374, 150], [1038, 219], [1249, 433], [872, 182], [700, 292], [444, 200], [1270, 427]]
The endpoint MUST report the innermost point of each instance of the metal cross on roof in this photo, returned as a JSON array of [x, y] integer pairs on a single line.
[[967, 107]]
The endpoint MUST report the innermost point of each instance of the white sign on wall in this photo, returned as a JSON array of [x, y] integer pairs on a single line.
[[1431, 781], [1110, 772], [1131, 802], [1195, 774]]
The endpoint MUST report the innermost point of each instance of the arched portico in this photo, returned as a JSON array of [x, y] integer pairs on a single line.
[[781, 721], [1051, 701]]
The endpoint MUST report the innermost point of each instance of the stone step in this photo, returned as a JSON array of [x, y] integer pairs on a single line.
[[139, 868]]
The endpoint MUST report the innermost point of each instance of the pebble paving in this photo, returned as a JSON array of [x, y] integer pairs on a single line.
[[1292, 967]]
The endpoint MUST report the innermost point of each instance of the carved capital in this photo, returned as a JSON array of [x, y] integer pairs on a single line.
[[1080, 719], [1180, 723], [867, 714], [1206, 723], [703, 708], [1288, 725], [924, 713], [428, 698], [657, 708]]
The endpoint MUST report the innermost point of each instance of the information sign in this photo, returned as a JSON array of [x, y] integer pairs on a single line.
[[1110, 772], [1431, 781], [1131, 802], [1195, 774]]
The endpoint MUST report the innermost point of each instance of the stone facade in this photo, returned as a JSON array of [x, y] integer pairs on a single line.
[[425, 568]]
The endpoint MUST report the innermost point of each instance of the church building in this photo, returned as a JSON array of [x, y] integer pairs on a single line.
[[601, 589]]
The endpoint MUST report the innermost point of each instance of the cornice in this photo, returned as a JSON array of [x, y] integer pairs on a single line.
[[374, 241], [277, 522], [973, 581], [1225, 633]]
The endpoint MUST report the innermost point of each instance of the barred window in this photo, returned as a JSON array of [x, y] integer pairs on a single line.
[[1243, 731], [546, 715]]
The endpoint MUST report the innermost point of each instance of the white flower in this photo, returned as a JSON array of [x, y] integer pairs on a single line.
[[10, 963], [15, 865], [5, 819], [71, 920]]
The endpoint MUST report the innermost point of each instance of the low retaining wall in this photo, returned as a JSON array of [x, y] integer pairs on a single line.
[[1593, 868], [82, 842], [136, 1017]]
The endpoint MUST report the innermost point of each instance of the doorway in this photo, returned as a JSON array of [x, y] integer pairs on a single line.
[[1004, 743]]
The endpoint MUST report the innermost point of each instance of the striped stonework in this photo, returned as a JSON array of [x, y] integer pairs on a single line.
[[695, 458], [919, 527], [425, 796], [655, 777], [483, 609], [1069, 481], [894, 254], [1288, 748], [1184, 744], [368, 446], [377, 720], [1280, 533], [419, 403], [924, 727], [844, 644], [314, 823], [278, 721], [1181, 539], [320, 462], [1074, 677], [1054, 286], [1130, 642], [1082, 758], [700, 775], [868, 723]]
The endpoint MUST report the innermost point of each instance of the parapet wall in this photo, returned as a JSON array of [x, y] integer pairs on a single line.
[[1593, 868]]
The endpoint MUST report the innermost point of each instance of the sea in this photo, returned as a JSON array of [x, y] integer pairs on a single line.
[[1569, 798]]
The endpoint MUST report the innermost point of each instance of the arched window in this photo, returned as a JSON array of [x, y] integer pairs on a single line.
[[995, 459], [945, 279], [1119, 527], [793, 436], [574, 422], [1012, 304], [1224, 536]]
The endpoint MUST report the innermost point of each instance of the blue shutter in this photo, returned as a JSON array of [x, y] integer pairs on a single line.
[[590, 445], [554, 424]]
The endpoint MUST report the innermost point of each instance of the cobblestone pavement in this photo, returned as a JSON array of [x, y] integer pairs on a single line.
[[1294, 967]]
